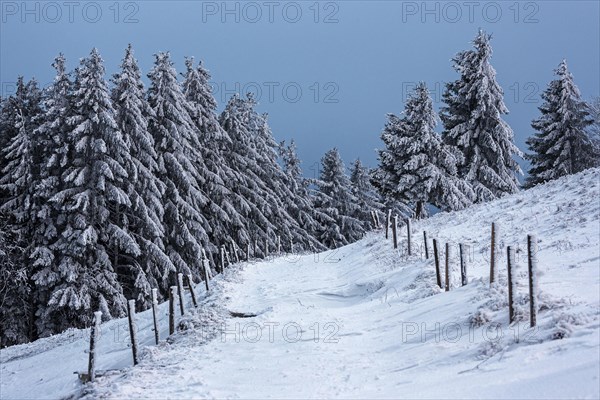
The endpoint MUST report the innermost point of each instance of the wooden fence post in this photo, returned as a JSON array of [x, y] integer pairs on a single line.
[[408, 234], [533, 284], [222, 254], [463, 265], [155, 314], [132, 330], [180, 292], [394, 231], [426, 247], [235, 252], [448, 272], [192, 292], [493, 260], [172, 299], [512, 282], [94, 331], [387, 223], [204, 262], [436, 257]]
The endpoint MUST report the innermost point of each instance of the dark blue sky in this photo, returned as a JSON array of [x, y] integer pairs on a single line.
[[352, 61]]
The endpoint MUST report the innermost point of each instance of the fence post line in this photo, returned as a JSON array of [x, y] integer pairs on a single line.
[[172, 299], [132, 331], [493, 260], [463, 265], [512, 282], [94, 331], [180, 292], [436, 257], [533, 284], [192, 292], [394, 231], [448, 274], [408, 235], [426, 247], [155, 313]]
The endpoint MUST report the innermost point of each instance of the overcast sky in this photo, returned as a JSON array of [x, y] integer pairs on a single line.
[[327, 73]]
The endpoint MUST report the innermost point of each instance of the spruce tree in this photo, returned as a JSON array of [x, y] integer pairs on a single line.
[[51, 137], [227, 224], [176, 145], [335, 198], [92, 192], [367, 198], [561, 145], [473, 123], [144, 219]]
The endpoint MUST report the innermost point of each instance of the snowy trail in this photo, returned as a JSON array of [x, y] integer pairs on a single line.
[[366, 321]]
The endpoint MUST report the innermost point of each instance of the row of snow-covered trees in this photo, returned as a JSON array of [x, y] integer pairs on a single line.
[[473, 160], [109, 191]]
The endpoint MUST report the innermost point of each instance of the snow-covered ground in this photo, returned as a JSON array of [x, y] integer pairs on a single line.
[[367, 321]]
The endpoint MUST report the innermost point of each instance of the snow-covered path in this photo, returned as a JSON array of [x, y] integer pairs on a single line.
[[366, 321]]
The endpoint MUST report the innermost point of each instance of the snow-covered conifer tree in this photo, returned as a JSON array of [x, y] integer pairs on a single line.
[[176, 145], [368, 199], [144, 219], [92, 191], [473, 123], [335, 198], [561, 145]]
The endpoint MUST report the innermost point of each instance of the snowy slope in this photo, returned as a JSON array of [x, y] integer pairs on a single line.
[[366, 321]]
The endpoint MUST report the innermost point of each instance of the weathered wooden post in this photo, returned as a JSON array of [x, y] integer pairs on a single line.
[[426, 246], [394, 233], [204, 261], [180, 292], [192, 292], [155, 314], [493, 260], [448, 272], [387, 222], [463, 264], [512, 282], [436, 257], [227, 257], [235, 252], [222, 254], [132, 330], [172, 300], [533, 284], [94, 332], [408, 235]]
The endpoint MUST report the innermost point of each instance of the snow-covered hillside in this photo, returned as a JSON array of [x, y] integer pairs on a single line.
[[366, 321]]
